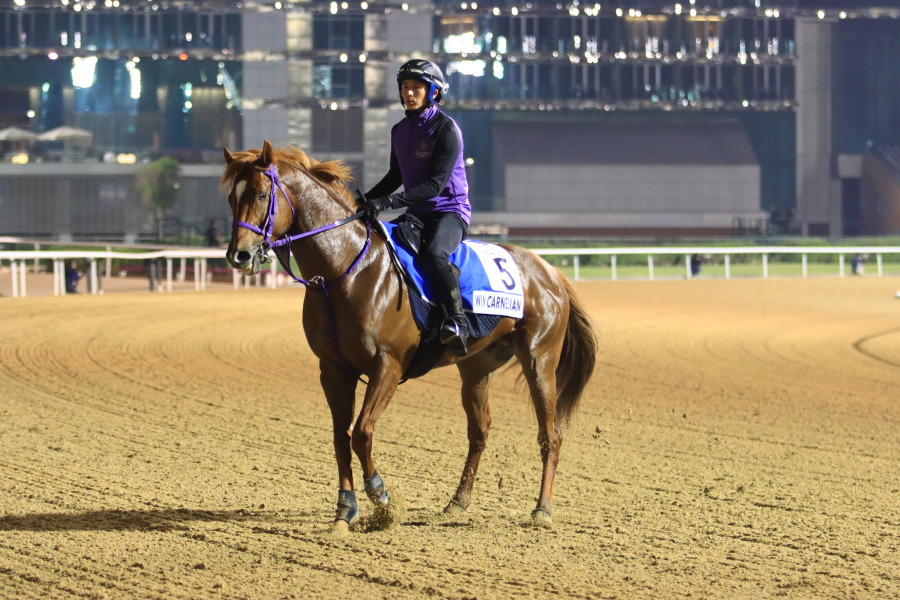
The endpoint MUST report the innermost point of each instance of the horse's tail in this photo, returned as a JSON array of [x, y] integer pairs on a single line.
[[577, 358]]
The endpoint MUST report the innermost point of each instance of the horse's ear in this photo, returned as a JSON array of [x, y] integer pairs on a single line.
[[228, 155], [266, 156]]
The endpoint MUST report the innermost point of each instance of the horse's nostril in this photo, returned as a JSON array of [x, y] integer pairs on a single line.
[[242, 256]]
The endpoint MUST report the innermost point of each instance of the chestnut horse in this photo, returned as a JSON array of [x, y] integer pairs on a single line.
[[358, 321]]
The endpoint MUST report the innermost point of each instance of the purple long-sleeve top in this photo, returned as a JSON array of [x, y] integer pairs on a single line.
[[427, 159]]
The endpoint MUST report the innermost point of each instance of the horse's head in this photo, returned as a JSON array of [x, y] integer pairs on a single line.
[[249, 180]]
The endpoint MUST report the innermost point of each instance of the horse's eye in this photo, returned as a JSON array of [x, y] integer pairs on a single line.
[[261, 196]]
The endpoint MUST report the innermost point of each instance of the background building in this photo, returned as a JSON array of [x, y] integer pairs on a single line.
[[632, 118]]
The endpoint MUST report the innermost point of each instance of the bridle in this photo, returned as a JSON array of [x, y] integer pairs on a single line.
[[268, 226]]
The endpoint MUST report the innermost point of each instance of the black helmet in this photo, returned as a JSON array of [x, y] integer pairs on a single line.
[[426, 71]]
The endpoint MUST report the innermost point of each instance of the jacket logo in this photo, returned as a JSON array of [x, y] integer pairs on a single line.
[[424, 150]]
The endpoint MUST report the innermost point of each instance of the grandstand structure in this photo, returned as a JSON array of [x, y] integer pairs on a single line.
[[643, 118]]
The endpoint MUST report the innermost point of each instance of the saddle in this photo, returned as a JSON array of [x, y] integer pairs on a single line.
[[490, 285]]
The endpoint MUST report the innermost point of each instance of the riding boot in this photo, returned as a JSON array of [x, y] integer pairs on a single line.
[[455, 329]]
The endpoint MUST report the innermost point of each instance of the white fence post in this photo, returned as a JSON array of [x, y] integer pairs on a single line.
[[687, 266], [841, 264], [650, 265], [14, 270], [93, 280], [575, 262], [765, 260], [727, 266], [612, 263], [805, 266]]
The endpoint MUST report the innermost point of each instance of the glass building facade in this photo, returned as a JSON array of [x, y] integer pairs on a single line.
[[186, 78]]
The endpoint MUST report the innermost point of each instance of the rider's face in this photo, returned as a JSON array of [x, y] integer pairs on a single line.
[[413, 93]]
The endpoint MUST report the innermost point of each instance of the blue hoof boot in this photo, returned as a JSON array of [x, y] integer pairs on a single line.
[[347, 509], [375, 489]]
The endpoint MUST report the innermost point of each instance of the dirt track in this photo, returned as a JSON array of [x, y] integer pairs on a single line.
[[741, 439]]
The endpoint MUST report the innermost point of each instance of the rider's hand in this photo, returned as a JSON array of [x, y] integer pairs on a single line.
[[372, 207]]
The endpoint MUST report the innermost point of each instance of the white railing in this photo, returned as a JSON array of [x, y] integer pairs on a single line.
[[763, 251], [19, 261]]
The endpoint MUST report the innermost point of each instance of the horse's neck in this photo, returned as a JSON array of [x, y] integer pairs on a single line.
[[330, 253]]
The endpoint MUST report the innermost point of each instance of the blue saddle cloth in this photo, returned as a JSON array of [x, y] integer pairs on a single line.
[[475, 283]]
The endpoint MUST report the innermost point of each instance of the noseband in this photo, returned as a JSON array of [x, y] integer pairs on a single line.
[[268, 227]]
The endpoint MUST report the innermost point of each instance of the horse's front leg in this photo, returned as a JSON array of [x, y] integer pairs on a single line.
[[380, 390], [339, 386]]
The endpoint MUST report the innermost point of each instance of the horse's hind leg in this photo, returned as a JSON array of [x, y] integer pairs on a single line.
[[476, 375], [539, 368]]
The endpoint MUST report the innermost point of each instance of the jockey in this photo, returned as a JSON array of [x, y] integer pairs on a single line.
[[427, 160]]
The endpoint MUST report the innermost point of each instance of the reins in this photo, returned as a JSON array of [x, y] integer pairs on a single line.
[[269, 226]]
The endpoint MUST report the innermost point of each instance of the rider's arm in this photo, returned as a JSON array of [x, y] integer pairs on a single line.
[[389, 183]]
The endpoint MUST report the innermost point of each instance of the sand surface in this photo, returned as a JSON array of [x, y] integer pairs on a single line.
[[740, 439]]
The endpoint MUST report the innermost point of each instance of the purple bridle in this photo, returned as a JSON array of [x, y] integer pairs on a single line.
[[268, 227]]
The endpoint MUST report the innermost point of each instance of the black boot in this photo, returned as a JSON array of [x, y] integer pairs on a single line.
[[455, 329]]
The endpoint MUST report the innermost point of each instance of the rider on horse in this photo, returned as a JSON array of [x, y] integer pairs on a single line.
[[427, 159]]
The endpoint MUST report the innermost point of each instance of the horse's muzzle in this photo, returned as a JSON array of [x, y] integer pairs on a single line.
[[247, 261]]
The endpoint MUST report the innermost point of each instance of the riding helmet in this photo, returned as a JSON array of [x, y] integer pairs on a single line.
[[427, 71]]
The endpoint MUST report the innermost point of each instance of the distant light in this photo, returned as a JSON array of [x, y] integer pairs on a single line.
[[343, 57], [745, 103], [496, 11], [20, 2], [183, 56], [843, 15], [83, 71], [514, 11], [470, 161], [821, 14], [52, 55], [126, 158], [30, 114], [333, 8], [278, 6], [362, 57], [188, 36], [364, 5], [334, 106], [22, 157]]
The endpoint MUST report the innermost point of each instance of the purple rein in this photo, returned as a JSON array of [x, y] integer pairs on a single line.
[[268, 226]]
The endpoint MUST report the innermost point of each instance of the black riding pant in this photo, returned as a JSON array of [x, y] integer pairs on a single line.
[[441, 236]]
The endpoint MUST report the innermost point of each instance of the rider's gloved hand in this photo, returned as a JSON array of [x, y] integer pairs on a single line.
[[371, 207]]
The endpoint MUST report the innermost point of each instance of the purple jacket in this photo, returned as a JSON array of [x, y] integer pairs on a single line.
[[427, 159]]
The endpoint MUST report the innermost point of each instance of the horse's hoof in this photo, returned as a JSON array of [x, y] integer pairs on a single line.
[[454, 508], [340, 528], [541, 518]]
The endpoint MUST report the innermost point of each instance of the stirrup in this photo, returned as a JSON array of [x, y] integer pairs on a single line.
[[454, 337]]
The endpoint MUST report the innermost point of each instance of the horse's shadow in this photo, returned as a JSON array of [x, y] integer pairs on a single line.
[[128, 520]]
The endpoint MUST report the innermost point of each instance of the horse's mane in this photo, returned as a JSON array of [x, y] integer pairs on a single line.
[[333, 172]]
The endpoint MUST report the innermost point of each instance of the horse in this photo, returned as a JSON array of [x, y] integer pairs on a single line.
[[358, 321]]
